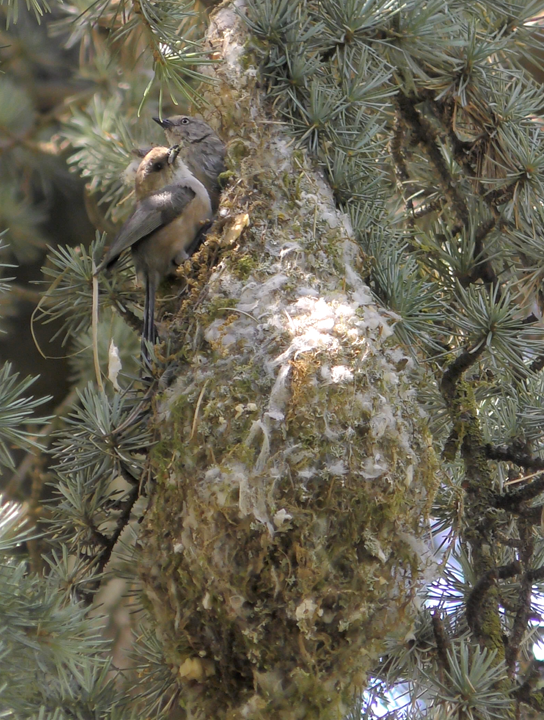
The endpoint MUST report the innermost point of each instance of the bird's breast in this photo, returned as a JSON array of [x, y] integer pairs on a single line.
[[163, 250]]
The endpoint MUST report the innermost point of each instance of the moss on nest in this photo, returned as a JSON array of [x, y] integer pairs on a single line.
[[294, 468]]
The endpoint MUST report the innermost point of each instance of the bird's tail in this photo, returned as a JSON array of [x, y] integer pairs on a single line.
[[149, 334]]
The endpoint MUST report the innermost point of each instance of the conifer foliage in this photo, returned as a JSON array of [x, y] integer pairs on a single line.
[[426, 122], [424, 116]]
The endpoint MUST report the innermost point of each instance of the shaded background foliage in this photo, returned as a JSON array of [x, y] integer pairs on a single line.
[[426, 121], [65, 86]]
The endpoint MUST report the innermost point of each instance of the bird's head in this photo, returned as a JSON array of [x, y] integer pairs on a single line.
[[161, 166], [184, 128]]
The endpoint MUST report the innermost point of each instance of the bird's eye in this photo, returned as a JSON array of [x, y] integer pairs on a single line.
[[185, 121], [158, 166]]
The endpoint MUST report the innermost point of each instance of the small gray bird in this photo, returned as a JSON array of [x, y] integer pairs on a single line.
[[202, 150], [172, 208]]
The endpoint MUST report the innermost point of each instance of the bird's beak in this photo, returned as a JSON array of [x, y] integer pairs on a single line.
[[163, 123], [173, 153]]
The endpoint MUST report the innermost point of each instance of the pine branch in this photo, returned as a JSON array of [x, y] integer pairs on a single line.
[[399, 160], [521, 619], [428, 138], [102, 558], [537, 365], [526, 692], [427, 208], [513, 500], [43, 437], [476, 600], [514, 455], [443, 642], [456, 370]]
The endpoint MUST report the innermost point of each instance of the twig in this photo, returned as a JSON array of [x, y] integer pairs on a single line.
[[512, 500], [533, 678], [197, 409], [427, 208], [521, 619], [480, 590], [443, 642], [103, 558], [25, 294], [128, 316], [94, 326], [537, 364], [504, 453], [428, 138], [399, 161], [30, 458], [456, 369]]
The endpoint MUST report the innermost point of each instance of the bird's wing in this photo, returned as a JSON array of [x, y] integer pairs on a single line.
[[151, 213]]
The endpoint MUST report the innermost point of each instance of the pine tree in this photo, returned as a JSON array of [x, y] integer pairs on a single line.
[[327, 501]]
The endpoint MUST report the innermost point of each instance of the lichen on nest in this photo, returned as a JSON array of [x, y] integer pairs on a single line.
[[294, 468]]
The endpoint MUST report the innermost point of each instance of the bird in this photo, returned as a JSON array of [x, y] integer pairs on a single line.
[[171, 209], [202, 150]]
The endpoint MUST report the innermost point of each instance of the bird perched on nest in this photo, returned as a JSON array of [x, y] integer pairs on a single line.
[[172, 207], [201, 148]]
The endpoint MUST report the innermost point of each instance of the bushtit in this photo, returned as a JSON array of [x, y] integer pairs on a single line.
[[202, 150], [171, 209]]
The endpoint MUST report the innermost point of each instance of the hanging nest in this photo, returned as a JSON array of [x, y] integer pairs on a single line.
[[293, 467]]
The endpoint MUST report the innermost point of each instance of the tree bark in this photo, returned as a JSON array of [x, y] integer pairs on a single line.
[[293, 469]]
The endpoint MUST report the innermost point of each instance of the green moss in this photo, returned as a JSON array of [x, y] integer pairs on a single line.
[[245, 265], [238, 150], [225, 177]]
